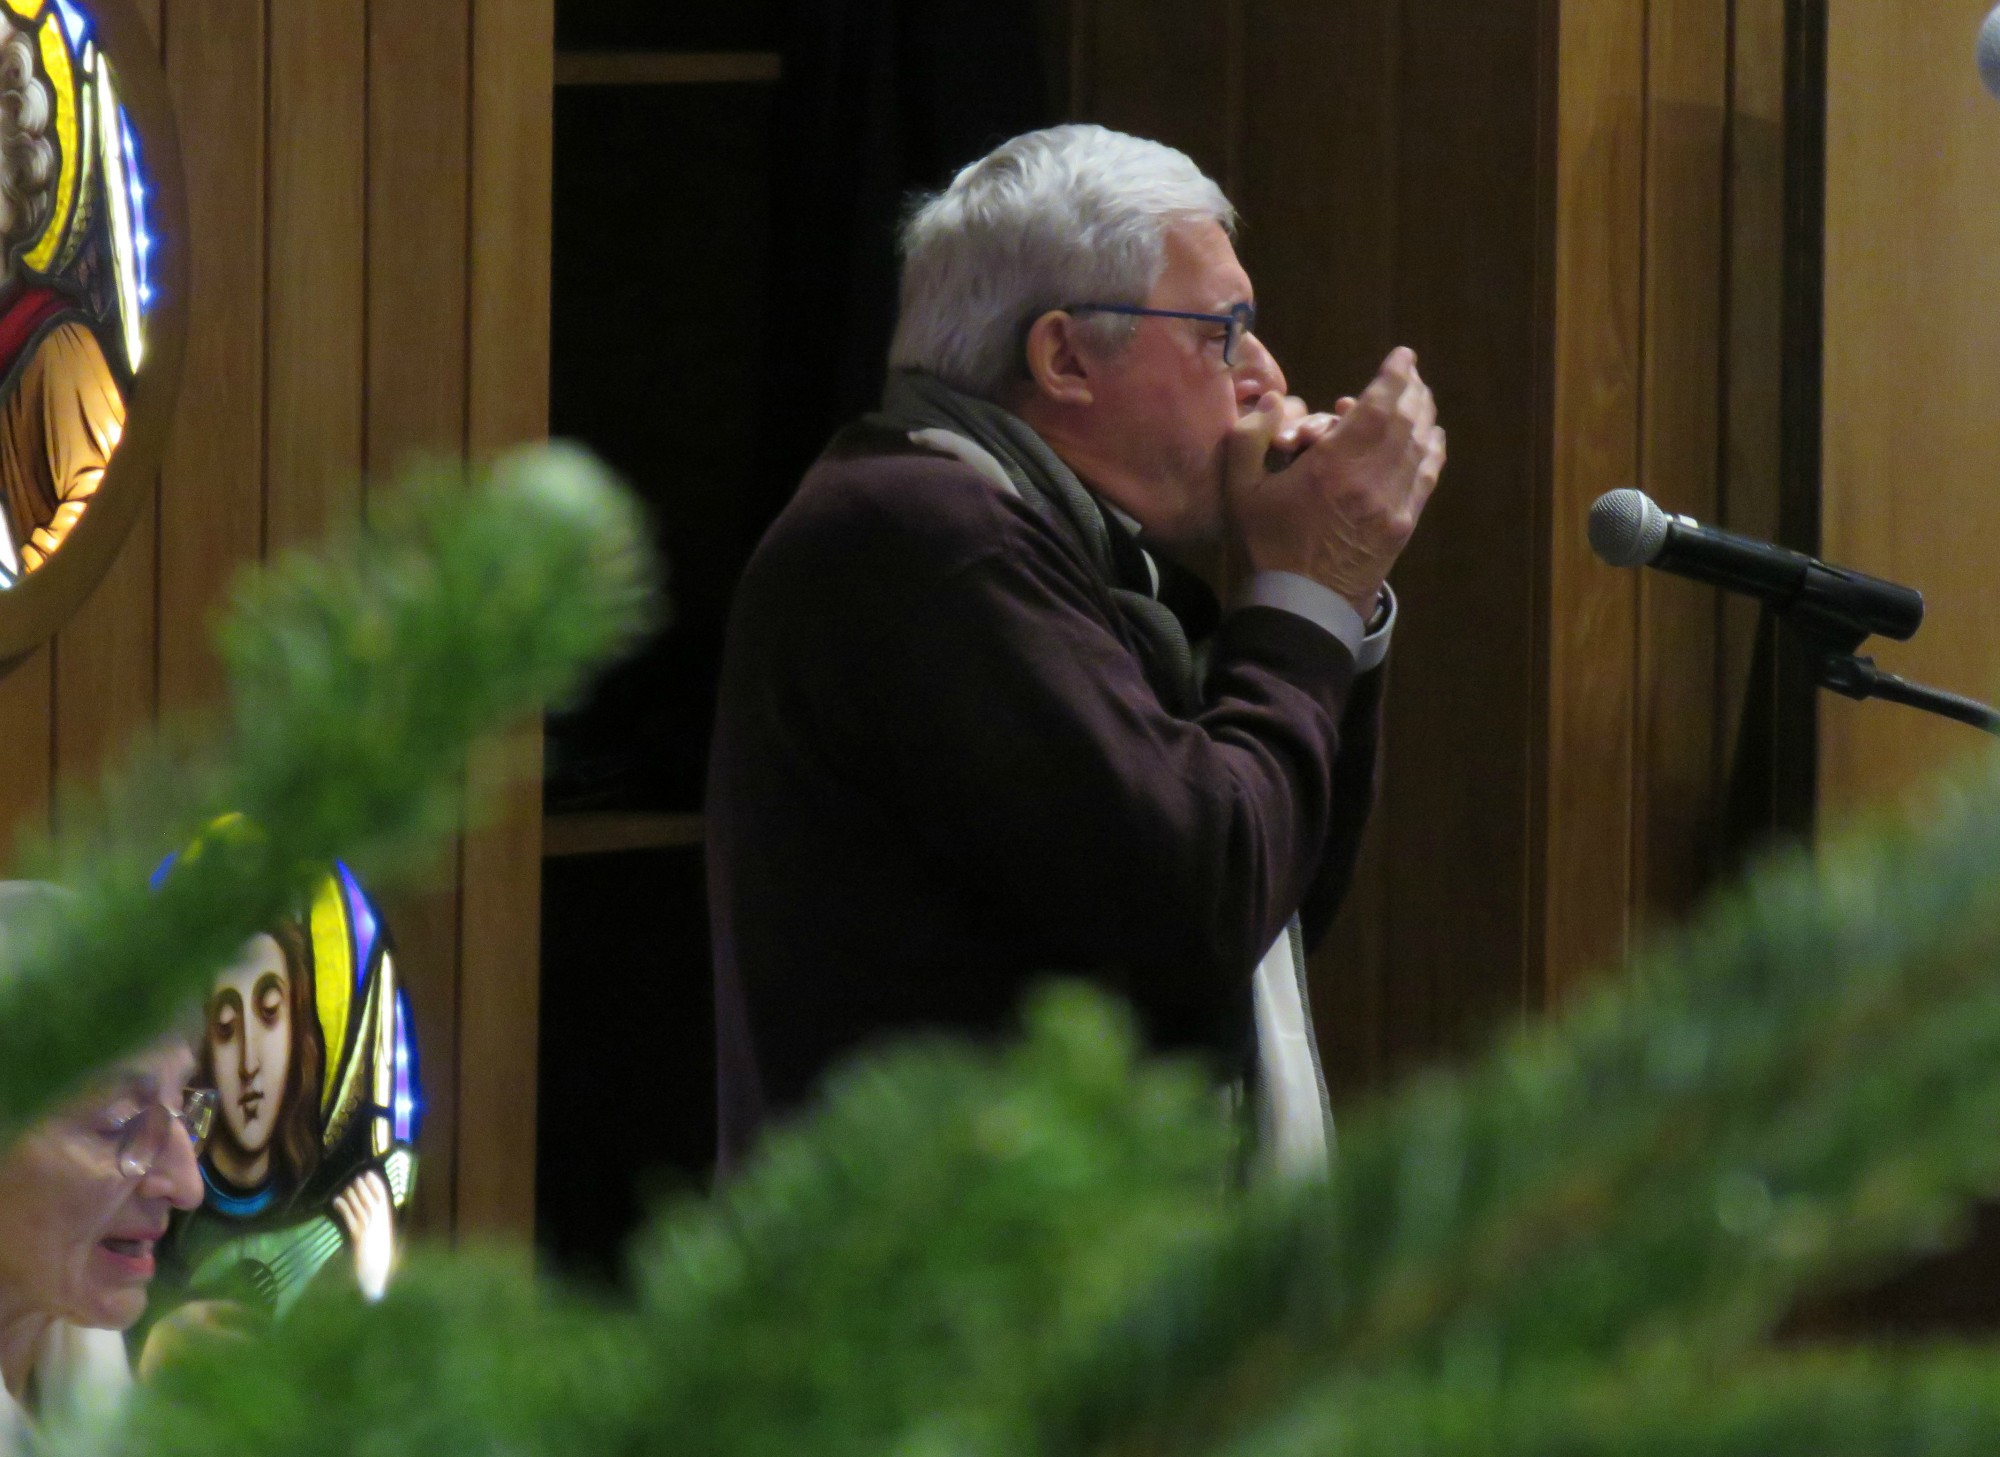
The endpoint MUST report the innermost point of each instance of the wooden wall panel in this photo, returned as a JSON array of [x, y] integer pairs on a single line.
[[1318, 237], [1593, 625], [1679, 776], [314, 309], [419, 59], [212, 481], [513, 80], [1458, 810], [1911, 439], [27, 696], [106, 661], [1164, 69]]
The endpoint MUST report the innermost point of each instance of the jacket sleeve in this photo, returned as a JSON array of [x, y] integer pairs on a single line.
[[1356, 778]]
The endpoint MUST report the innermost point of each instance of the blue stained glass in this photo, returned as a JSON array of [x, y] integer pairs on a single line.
[[363, 921], [142, 237], [74, 23], [406, 1108]]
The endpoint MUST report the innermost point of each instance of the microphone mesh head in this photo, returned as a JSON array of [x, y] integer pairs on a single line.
[[1989, 51], [1626, 528]]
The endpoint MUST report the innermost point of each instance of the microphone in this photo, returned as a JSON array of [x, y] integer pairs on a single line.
[[1989, 51], [1628, 530]]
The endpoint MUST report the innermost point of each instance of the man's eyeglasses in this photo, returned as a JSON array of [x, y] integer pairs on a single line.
[[141, 1137], [1240, 320]]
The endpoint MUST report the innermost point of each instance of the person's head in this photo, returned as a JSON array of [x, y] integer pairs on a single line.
[[995, 265], [28, 160], [85, 1194], [263, 1054]]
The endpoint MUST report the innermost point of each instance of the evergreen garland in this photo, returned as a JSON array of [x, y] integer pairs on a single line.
[[1580, 1245], [358, 681]]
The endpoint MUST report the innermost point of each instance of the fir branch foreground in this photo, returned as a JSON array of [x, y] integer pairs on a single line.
[[1578, 1246], [359, 679]]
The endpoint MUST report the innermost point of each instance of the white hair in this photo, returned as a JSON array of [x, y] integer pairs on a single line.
[[1073, 214], [27, 155]]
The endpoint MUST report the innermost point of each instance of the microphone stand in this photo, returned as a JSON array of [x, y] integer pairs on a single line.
[[1858, 677], [1839, 667]]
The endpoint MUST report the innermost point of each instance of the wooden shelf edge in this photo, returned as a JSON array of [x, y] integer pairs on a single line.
[[667, 68], [605, 833]]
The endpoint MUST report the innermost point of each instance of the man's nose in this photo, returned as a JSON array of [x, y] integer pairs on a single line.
[[1256, 369]]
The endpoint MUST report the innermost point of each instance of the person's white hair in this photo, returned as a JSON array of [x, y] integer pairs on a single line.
[[1073, 214], [27, 155]]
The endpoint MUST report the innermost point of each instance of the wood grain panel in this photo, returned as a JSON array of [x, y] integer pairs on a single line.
[[417, 239], [1677, 794], [513, 78], [418, 110], [1162, 69], [1463, 691], [1911, 438], [211, 486], [1600, 171], [313, 319], [27, 688], [1316, 182], [105, 662]]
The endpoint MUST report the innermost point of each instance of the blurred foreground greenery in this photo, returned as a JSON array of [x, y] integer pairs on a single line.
[[1582, 1244]]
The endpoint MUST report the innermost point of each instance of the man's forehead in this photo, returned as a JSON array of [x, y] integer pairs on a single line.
[[1201, 267]]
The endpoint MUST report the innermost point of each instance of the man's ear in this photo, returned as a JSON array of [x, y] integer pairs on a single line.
[[1059, 368]]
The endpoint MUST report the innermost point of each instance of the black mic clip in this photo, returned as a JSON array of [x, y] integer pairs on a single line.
[[1832, 637], [1854, 676]]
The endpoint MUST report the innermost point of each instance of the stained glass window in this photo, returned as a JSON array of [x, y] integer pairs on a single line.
[[308, 1041], [77, 286]]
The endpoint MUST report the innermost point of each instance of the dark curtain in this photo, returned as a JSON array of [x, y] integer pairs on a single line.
[[882, 99]]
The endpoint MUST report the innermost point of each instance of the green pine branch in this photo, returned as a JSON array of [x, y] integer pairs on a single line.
[[358, 680], [1939, 1402], [1797, 1092], [1579, 1245]]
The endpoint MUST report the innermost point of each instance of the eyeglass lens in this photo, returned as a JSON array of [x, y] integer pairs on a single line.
[[145, 1135], [1242, 319]]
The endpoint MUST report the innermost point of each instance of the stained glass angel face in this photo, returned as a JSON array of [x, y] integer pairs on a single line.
[[248, 1056]]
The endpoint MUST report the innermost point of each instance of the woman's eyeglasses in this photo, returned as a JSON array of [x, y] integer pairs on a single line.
[[141, 1137]]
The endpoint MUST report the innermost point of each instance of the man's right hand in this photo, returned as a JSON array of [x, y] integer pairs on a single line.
[[1344, 508]]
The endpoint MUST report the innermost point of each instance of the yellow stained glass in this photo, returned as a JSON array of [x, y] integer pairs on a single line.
[[62, 82], [347, 1097], [26, 9], [333, 976]]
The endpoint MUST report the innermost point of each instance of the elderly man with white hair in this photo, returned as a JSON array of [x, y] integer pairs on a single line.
[[977, 727]]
